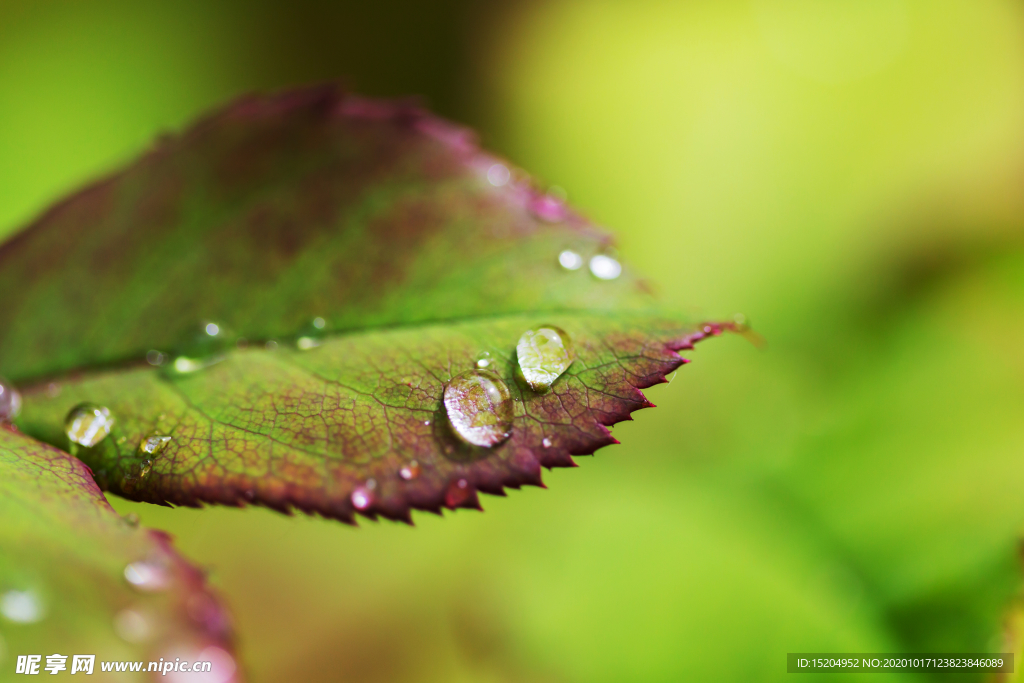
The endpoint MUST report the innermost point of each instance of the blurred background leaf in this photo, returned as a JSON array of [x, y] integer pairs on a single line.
[[847, 175]]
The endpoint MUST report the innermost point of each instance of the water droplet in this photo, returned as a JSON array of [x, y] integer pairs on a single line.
[[306, 343], [708, 329], [206, 348], [410, 471], [479, 408], [309, 337], [10, 401], [153, 444], [319, 323], [604, 267], [483, 359], [270, 345], [147, 576], [131, 519], [87, 424], [548, 208], [458, 492], [546, 442], [498, 175], [21, 607], [361, 498], [154, 357], [132, 626], [426, 422], [570, 260], [543, 355]]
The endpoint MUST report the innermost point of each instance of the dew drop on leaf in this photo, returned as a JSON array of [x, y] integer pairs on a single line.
[[21, 607], [88, 424], [153, 444], [154, 357], [131, 519], [498, 175], [570, 260], [483, 359], [410, 471], [10, 401], [147, 576], [361, 498], [207, 347], [604, 267], [309, 338], [479, 408], [544, 354]]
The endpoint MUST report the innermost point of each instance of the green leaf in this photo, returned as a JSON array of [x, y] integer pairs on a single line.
[[358, 423], [279, 210], [76, 578], [368, 254]]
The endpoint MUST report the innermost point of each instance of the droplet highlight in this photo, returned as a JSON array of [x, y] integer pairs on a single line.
[[88, 424], [206, 348], [604, 267], [410, 471], [544, 354], [483, 359], [361, 498], [546, 443], [147, 576], [570, 260], [10, 401], [479, 408]]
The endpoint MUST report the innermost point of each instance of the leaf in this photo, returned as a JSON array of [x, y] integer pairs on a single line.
[[278, 210], [331, 429], [411, 251], [65, 562]]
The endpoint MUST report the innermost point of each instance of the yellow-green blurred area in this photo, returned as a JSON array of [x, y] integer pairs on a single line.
[[850, 175]]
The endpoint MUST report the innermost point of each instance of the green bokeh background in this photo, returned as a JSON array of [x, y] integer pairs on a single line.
[[849, 175]]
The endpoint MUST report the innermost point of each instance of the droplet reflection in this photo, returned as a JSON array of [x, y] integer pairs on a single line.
[[87, 424], [544, 354], [479, 407]]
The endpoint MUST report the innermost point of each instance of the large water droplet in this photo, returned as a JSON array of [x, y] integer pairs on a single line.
[[87, 424], [604, 267], [544, 354], [498, 175], [10, 401], [570, 260], [147, 576], [479, 408], [153, 444], [21, 607]]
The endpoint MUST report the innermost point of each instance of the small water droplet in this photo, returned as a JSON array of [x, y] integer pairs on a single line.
[[410, 471], [570, 260], [21, 607], [458, 492], [270, 345], [10, 401], [132, 626], [548, 208], [319, 323], [206, 347], [604, 267], [479, 408], [546, 442], [212, 329], [426, 422], [154, 357], [131, 519], [147, 576], [153, 444], [498, 175], [708, 329], [361, 498], [483, 359], [88, 424], [544, 354], [306, 343]]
